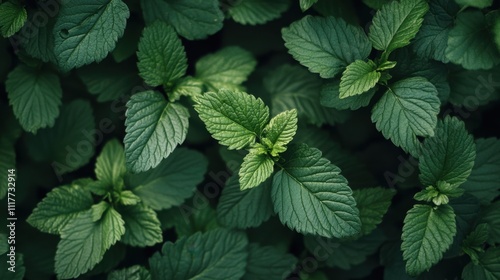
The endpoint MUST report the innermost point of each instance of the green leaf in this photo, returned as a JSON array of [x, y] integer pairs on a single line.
[[306, 4], [172, 181], [376, 4], [7, 161], [110, 165], [280, 131], [135, 272], [234, 118], [330, 97], [324, 44], [310, 195], [255, 169], [267, 263], [161, 55], [449, 155], [86, 32], [496, 33], [217, 254], [491, 216], [488, 267], [85, 239], [427, 233], [128, 198], [372, 203], [408, 109], [189, 220], [432, 39], [358, 78], [228, 68], [187, 86], [192, 19], [59, 207], [472, 245], [475, 3], [142, 227], [12, 18], [154, 129], [473, 88], [40, 43], [20, 269], [257, 11], [35, 97], [396, 24], [483, 180], [293, 87], [469, 42], [243, 209]]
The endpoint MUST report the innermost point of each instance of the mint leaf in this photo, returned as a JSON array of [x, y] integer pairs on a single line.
[[427, 233], [172, 181], [473, 88], [40, 43], [86, 32], [483, 180], [267, 263], [35, 97], [408, 109], [243, 209], [187, 86], [217, 254], [448, 156], [310, 195], [358, 78], [161, 55], [475, 3], [330, 97], [396, 24], [59, 207], [472, 245], [110, 165], [135, 272], [192, 19], [128, 198], [280, 131], [235, 118], [372, 203], [469, 42], [154, 129], [306, 4], [188, 221], [12, 18], [488, 267], [491, 216], [86, 238], [255, 169], [228, 68], [142, 227], [257, 11], [432, 39], [324, 44]]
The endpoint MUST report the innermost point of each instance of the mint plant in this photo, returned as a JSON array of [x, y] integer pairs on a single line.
[[250, 139]]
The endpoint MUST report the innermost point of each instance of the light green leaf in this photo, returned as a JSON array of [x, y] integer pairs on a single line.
[[59, 207], [172, 181], [469, 42], [280, 131], [35, 97], [12, 18], [483, 180], [154, 129], [372, 203], [358, 78], [142, 227], [310, 195], [243, 209], [475, 3], [192, 19], [228, 68], [488, 267], [427, 233], [330, 97], [408, 109], [267, 263], [396, 24], [293, 87], [324, 45], [257, 11], [306, 4], [432, 39], [234, 118], [449, 155], [255, 169], [86, 32], [7, 161], [217, 254], [110, 165], [187, 86], [135, 272], [128, 198], [84, 240], [161, 55]]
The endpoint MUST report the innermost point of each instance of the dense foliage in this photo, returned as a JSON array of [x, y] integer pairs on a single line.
[[250, 139]]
